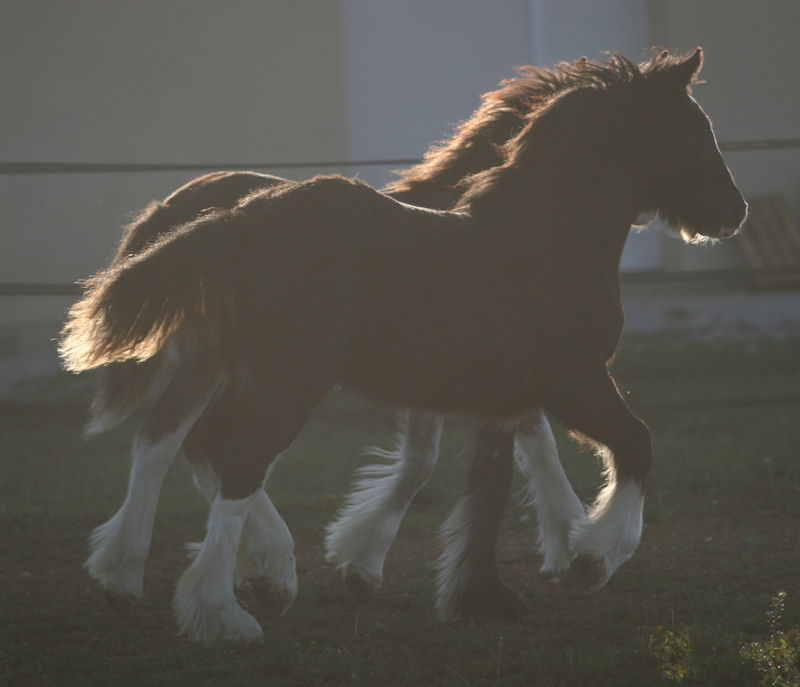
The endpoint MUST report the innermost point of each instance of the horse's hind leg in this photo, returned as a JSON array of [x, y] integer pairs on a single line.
[[120, 546], [557, 505], [205, 602], [265, 558], [358, 540], [468, 583]]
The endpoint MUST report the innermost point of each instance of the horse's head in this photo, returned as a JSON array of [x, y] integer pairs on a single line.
[[685, 179]]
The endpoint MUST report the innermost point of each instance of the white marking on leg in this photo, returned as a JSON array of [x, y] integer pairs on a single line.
[[557, 505], [612, 532], [455, 566], [358, 540], [207, 482], [266, 555], [205, 604], [120, 546]]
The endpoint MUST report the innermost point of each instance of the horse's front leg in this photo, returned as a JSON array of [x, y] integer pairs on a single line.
[[468, 583], [358, 540], [611, 533], [205, 603], [265, 558], [261, 427], [557, 505]]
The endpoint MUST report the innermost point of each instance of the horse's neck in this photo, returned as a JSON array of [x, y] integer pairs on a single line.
[[583, 217], [434, 177]]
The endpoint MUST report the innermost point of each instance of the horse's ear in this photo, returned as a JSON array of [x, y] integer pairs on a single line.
[[686, 70]]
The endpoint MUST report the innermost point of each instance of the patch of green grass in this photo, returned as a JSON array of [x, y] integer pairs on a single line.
[[776, 658], [720, 537]]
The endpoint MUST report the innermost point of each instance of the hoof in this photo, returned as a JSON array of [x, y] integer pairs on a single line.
[[555, 567], [497, 603], [359, 583], [271, 601], [120, 578], [226, 623], [588, 573]]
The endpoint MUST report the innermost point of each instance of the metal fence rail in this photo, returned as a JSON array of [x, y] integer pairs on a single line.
[[23, 168], [627, 278], [63, 289]]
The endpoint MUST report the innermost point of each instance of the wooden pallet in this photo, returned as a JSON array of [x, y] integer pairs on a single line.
[[770, 242]]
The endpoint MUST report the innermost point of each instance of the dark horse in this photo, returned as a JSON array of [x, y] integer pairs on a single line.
[[509, 303], [357, 542]]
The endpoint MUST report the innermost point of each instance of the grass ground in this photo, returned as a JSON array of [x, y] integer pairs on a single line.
[[721, 540]]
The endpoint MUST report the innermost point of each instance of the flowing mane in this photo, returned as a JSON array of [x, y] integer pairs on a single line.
[[477, 142], [482, 141], [568, 80]]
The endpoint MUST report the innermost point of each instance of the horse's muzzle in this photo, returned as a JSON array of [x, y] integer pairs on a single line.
[[739, 218]]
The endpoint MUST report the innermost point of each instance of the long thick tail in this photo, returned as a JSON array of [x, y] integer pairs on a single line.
[[181, 282], [124, 387]]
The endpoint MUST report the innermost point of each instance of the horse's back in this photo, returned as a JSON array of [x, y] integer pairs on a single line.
[[219, 189]]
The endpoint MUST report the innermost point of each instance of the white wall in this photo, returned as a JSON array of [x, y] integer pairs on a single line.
[[148, 81], [248, 80], [568, 29], [415, 68]]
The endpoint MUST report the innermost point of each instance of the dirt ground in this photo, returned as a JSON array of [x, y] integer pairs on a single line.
[[721, 537]]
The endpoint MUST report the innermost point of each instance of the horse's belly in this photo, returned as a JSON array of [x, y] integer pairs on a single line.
[[446, 385]]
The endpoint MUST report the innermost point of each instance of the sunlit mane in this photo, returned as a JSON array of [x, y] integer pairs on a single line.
[[579, 76], [476, 142]]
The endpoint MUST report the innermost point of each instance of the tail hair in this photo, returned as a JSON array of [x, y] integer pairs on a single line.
[[124, 388], [149, 223], [133, 307]]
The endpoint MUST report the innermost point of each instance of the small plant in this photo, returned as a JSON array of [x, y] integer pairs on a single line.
[[673, 653], [778, 657]]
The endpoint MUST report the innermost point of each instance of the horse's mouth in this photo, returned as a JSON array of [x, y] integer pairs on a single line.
[[719, 228], [698, 236]]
